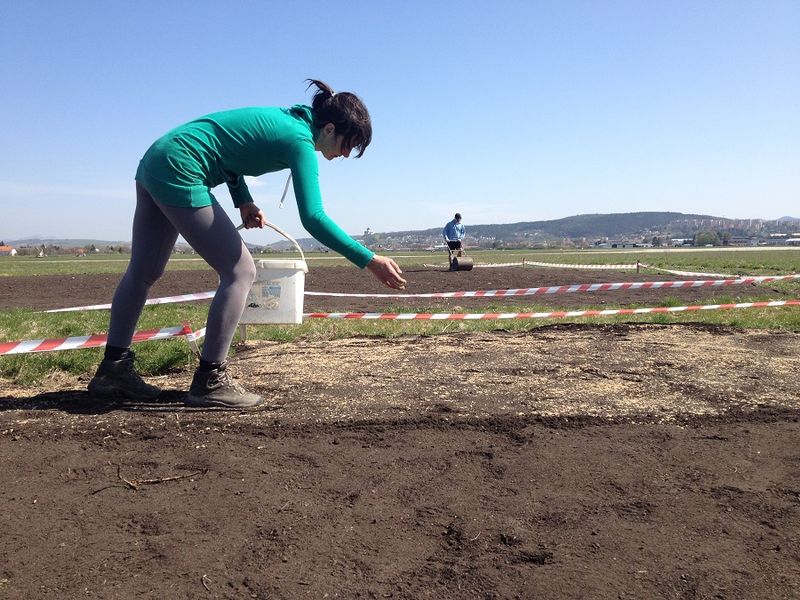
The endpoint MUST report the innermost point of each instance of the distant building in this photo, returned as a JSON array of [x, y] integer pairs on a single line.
[[735, 240], [8, 251]]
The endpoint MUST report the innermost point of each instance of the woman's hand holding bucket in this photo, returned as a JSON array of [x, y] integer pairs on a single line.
[[252, 216]]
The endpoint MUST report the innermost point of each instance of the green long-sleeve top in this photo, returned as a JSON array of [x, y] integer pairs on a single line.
[[182, 166]]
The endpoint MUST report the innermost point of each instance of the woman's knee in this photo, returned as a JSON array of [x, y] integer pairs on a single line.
[[243, 273], [248, 274], [146, 275], [154, 275]]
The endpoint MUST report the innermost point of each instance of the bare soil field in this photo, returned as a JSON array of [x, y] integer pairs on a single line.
[[572, 461], [35, 291]]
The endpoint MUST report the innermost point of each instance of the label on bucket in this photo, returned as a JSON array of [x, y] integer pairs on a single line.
[[269, 298]]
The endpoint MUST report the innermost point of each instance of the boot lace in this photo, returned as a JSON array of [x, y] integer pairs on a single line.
[[224, 380]]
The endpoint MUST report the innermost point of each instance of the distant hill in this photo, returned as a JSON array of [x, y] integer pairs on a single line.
[[590, 225], [614, 225]]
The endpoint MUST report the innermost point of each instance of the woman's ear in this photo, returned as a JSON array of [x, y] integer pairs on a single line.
[[329, 128]]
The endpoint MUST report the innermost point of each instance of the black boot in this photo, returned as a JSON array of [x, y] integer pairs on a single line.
[[216, 388], [118, 379]]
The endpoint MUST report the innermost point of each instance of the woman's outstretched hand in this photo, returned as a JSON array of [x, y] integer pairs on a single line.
[[387, 272]]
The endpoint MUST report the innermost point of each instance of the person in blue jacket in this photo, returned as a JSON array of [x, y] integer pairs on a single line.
[[454, 232]]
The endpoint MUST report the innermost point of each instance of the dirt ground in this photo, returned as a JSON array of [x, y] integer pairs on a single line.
[[626, 461]]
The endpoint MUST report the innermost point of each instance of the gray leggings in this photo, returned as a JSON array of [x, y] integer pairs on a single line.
[[213, 236]]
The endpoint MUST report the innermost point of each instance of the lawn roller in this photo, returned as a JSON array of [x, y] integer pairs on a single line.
[[458, 260]]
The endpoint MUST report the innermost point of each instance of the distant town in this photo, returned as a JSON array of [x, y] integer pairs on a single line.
[[620, 230]]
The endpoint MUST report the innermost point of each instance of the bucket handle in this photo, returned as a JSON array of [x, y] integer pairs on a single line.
[[284, 234]]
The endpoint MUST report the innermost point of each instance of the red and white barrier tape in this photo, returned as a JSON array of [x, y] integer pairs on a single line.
[[535, 291], [165, 300], [577, 287], [193, 336], [603, 267], [544, 264], [95, 341], [89, 341], [571, 266], [514, 264], [687, 273], [491, 265], [543, 315]]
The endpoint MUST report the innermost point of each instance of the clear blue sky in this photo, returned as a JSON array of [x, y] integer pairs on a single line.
[[505, 111]]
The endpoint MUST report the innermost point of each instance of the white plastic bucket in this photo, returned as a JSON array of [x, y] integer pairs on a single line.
[[277, 293]]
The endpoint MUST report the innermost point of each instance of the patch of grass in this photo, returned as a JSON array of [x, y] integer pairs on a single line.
[[162, 357]]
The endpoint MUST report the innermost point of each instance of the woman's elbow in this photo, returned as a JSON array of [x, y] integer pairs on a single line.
[[311, 223]]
